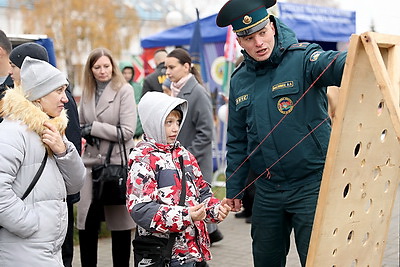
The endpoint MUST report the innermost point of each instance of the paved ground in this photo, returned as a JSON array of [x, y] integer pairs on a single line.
[[235, 249]]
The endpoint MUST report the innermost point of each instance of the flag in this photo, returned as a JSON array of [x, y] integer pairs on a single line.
[[196, 50], [138, 67], [230, 58]]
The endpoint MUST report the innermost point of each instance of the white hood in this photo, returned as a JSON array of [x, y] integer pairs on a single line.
[[153, 109]]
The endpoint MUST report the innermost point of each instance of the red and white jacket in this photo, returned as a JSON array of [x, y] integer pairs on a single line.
[[153, 190]]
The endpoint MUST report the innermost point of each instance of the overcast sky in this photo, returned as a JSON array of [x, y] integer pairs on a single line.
[[385, 14]]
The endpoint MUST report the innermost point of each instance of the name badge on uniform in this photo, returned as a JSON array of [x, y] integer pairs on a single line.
[[242, 98], [282, 85]]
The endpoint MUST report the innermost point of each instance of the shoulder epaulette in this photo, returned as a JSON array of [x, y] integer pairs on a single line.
[[298, 46], [238, 68]]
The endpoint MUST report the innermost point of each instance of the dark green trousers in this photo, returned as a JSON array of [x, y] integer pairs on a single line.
[[275, 214]]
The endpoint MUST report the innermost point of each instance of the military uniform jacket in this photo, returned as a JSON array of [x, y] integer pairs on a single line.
[[272, 110]]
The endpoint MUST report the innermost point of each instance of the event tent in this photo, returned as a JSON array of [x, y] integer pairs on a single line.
[[322, 25], [310, 23]]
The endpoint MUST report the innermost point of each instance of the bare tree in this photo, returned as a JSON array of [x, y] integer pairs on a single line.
[[78, 26]]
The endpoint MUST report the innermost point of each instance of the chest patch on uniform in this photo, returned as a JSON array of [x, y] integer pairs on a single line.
[[285, 105], [242, 98], [282, 85], [315, 56]]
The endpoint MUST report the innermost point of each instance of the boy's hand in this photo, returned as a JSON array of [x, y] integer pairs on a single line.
[[198, 212], [224, 210]]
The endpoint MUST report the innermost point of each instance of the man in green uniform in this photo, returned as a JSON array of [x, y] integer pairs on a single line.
[[278, 126]]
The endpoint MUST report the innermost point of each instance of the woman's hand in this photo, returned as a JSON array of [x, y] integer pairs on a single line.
[[224, 210], [53, 139], [198, 212]]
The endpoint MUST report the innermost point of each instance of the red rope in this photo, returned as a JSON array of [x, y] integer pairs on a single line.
[[284, 155], [273, 129]]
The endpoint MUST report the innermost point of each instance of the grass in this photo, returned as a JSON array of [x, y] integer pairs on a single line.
[[219, 191]]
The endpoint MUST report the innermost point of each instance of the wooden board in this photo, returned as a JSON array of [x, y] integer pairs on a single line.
[[362, 169]]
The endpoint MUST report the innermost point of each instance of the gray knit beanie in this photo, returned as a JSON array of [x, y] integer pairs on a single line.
[[39, 78]]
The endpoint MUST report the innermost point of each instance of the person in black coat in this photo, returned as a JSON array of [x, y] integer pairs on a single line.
[[72, 132], [154, 81], [5, 79]]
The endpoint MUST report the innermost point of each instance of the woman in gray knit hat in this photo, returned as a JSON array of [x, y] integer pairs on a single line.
[[34, 123]]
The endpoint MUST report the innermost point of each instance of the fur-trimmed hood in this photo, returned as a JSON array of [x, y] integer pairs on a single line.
[[15, 106]]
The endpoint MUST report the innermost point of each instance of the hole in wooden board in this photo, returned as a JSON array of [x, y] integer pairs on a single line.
[[383, 135], [381, 213], [376, 172], [335, 232], [363, 186], [363, 163], [344, 171], [365, 239], [350, 236], [346, 190], [334, 252], [351, 214], [357, 150], [368, 205], [381, 105], [386, 186]]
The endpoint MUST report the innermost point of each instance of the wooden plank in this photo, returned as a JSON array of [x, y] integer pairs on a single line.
[[362, 169]]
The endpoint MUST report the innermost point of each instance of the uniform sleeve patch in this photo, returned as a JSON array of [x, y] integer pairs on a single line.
[[242, 98], [314, 56], [282, 85]]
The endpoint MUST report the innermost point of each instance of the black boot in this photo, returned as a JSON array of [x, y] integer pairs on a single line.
[[215, 236]]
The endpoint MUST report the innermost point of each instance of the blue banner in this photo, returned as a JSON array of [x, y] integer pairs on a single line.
[[318, 23]]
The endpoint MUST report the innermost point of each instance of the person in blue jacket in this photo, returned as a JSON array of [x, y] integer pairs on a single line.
[[278, 126]]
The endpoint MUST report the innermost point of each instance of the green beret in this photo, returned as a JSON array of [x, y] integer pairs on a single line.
[[246, 17]]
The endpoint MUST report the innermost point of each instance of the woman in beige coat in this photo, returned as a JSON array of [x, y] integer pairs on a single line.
[[107, 100]]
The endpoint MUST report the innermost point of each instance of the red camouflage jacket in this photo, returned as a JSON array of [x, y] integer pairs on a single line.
[[153, 190]]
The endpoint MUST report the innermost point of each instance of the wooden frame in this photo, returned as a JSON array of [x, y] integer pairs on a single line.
[[362, 169]]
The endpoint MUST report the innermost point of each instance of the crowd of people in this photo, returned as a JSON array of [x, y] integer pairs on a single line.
[[109, 99], [166, 127]]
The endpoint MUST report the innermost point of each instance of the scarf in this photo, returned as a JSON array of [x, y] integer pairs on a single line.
[[176, 87]]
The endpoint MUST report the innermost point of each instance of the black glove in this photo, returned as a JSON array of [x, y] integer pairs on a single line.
[[90, 140], [93, 141], [86, 129]]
